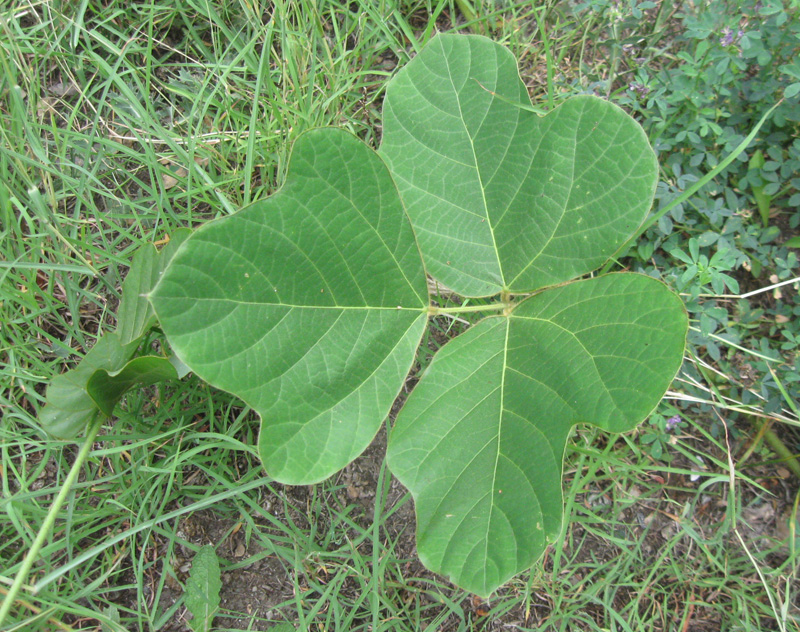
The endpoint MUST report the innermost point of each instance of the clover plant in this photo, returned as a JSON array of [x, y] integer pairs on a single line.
[[310, 305]]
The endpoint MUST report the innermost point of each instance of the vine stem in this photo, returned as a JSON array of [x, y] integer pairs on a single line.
[[50, 519]]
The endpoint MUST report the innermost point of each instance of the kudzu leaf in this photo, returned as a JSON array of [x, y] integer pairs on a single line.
[[480, 441], [202, 589], [501, 198], [99, 381], [308, 305]]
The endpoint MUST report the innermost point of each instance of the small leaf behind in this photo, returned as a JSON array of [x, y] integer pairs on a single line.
[[107, 387], [95, 386], [202, 589], [68, 406], [106, 372], [135, 315]]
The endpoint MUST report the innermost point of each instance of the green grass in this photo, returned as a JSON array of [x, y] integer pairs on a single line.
[[120, 122]]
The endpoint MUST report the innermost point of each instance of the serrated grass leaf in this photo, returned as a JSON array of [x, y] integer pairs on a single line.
[[202, 589]]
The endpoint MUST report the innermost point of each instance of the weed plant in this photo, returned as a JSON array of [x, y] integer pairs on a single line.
[[121, 122], [701, 76]]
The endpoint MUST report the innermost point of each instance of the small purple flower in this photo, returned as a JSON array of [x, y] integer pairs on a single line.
[[673, 423], [727, 37], [640, 89]]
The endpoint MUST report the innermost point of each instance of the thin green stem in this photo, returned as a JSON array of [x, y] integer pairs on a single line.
[[789, 401], [465, 309], [540, 21], [762, 427], [691, 190], [786, 456], [88, 554], [615, 57], [377, 551], [50, 519], [469, 14]]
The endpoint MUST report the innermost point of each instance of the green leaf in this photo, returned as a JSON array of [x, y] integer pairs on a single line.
[[679, 254], [107, 372], [308, 305], [500, 198], [68, 407], [792, 90], [135, 315], [202, 589], [481, 439], [95, 386], [106, 388], [656, 450], [110, 620], [762, 199]]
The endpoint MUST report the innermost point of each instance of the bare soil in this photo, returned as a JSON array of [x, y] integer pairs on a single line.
[[261, 592]]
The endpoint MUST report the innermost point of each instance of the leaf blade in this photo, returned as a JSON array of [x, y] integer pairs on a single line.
[[501, 198], [480, 441], [68, 406], [107, 371], [310, 307], [202, 589], [106, 388]]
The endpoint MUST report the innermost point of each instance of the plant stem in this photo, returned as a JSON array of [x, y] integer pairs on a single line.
[[50, 519], [779, 448], [789, 401], [540, 21], [38, 611], [762, 428], [469, 14], [493, 307], [774, 440]]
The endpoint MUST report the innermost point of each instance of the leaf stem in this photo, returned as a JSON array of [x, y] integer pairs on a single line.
[[50, 519], [785, 455], [433, 310], [690, 191]]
